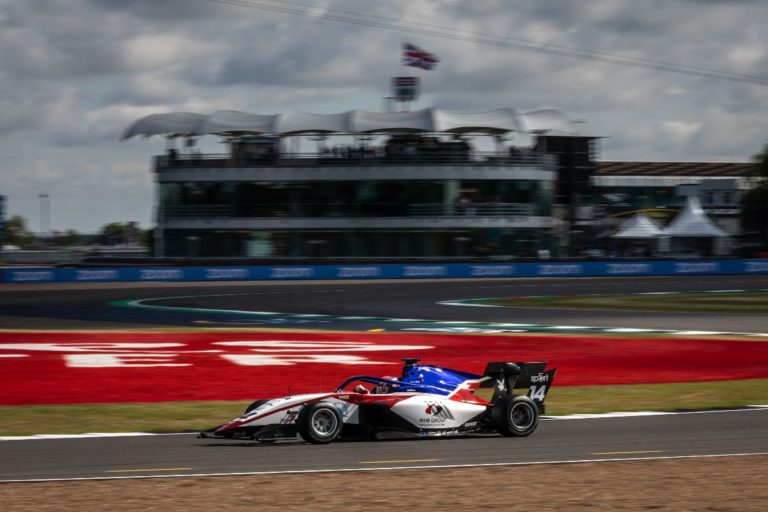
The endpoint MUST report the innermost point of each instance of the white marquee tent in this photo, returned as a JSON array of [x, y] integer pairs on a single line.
[[693, 222], [639, 226]]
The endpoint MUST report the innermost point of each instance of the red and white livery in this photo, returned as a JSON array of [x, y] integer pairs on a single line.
[[424, 400]]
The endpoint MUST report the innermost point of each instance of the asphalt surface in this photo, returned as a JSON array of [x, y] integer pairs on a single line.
[[88, 307], [676, 435], [92, 307]]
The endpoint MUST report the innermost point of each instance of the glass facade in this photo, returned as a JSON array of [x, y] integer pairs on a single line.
[[386, 204], [383, 198], [635, 196], [363, 243]]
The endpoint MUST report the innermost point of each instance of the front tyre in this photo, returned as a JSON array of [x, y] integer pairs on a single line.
[[515, 416], [319, 423]]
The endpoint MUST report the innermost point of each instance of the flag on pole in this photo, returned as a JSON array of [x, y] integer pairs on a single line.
[[415, 56]]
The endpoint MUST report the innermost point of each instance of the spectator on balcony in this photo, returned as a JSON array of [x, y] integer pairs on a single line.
[[465, 205]]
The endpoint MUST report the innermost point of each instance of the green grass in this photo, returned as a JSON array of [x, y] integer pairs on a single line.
[[709, 302], [656, 397], [192, 416], [123, 417]]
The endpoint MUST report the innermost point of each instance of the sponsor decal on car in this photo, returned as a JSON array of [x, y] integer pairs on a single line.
[[437, 413], [290, 417]]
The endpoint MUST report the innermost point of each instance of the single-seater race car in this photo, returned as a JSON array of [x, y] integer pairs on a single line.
[[423, 401]]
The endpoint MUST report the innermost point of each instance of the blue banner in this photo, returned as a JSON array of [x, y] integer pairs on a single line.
[[387, 271]]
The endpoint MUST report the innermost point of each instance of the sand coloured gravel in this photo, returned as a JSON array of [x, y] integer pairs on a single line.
[[708, 484]]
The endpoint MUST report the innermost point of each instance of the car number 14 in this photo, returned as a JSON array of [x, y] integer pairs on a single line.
[[537, 392]]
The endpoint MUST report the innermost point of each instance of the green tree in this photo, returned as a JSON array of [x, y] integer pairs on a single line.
[[112, 234], [116, 233], [754, 205], [69, 237], [761, 159], [16, 232]]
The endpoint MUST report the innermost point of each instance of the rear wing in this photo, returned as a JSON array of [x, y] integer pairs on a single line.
[[506, 377]]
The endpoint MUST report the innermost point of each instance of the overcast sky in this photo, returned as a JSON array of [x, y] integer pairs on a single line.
[[75, 73]]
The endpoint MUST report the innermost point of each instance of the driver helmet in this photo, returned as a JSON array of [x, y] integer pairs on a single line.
[[384, 387]]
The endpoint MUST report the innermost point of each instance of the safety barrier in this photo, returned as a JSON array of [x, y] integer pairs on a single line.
[[386, 271]]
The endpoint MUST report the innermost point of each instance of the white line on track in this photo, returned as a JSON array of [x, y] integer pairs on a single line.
[[467, 304], [627, 330], [638, 414], [395, 468], [89, 435], [701, 333], [607, 415]]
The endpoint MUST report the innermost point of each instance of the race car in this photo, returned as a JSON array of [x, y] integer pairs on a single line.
[[424, 400]]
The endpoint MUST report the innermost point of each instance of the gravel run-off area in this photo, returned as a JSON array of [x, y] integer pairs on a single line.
[[702, 484]]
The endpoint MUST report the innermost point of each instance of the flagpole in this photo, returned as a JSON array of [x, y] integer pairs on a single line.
[[400, 71]]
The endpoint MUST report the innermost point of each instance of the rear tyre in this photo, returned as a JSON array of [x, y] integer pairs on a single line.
[[319, 423], [515, 416]]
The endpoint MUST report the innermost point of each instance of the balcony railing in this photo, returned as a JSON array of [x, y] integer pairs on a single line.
[[479, 209], [357, 159], [351, 210], [198, 210]]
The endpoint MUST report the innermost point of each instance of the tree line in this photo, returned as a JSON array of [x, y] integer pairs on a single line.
[[18, 234], [754, 205]]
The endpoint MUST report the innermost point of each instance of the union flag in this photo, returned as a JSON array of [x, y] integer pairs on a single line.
[[417, 57]]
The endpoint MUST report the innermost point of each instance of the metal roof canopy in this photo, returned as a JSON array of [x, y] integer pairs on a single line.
[[430, 120]]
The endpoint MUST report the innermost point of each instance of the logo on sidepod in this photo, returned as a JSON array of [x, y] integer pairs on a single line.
[[438, 411]]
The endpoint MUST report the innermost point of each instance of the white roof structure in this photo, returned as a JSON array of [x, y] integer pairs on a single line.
[[430, 120], [693, 222], [230, 121], [639, 226], [172, 125]]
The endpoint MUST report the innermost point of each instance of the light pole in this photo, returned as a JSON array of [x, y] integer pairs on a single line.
[[45, 215]]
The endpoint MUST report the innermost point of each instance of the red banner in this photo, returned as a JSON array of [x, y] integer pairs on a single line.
[[77, 367]]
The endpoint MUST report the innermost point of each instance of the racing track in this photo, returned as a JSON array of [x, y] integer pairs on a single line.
[[666, 436], [56, 307], [86, 306]]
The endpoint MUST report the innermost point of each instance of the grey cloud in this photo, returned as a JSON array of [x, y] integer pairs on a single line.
[[166, 11], [75, 73]]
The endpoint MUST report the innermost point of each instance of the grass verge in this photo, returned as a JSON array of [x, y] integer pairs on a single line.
[[709, 302], [186, 416], [656, 397]]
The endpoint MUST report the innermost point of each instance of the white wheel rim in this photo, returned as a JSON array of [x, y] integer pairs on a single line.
[[324, 422], [521, 416]]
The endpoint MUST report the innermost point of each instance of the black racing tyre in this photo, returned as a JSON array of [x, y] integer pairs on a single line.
[[319, 423], [515, 415], [254, 405]]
